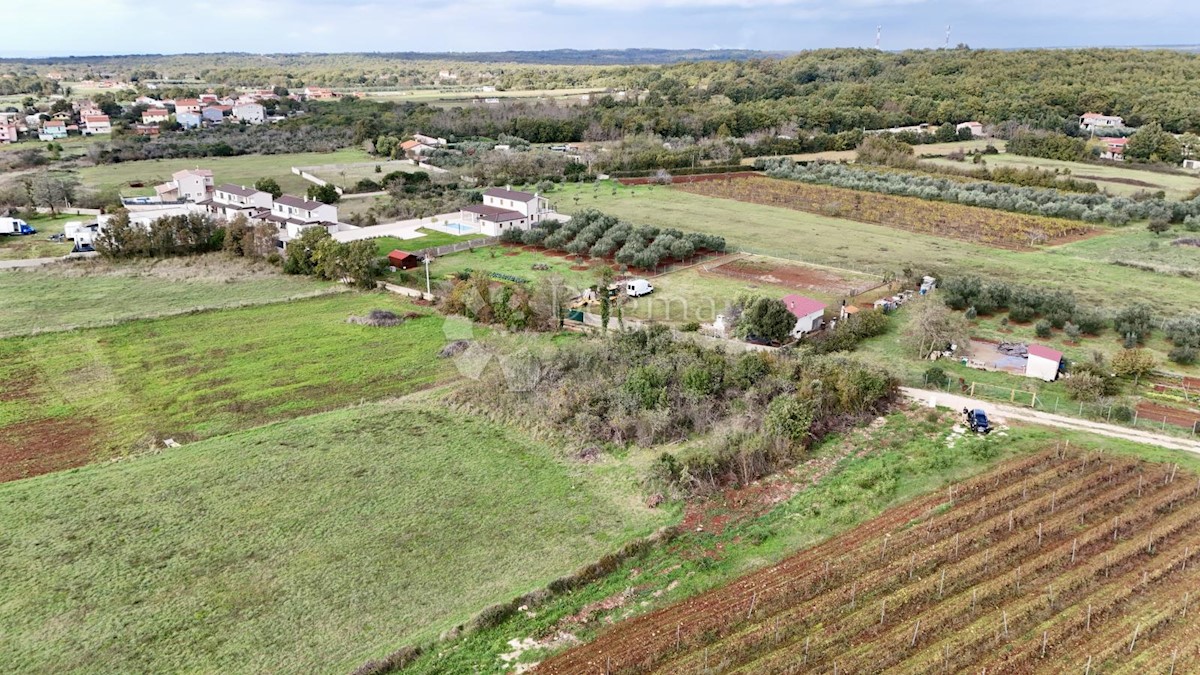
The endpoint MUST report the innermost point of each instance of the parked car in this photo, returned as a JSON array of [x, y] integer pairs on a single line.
[[636, 288]]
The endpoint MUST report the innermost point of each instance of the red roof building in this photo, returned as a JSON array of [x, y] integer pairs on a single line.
[[403, 260]]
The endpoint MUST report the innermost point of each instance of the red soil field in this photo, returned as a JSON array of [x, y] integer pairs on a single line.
[[803, 278], [1055, 562], [1153, 412]]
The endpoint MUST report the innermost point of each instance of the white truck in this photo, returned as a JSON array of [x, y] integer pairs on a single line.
[[15, 226], [636, 288]]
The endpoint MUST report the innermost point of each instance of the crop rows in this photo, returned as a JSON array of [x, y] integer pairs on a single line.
[[1039, 566], [954, 221]]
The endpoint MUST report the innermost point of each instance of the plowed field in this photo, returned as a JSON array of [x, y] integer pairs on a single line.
[[1058, 562]]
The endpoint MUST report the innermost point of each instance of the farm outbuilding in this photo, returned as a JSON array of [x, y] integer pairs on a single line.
[[1043, 363], [809, 313], [403, 260]]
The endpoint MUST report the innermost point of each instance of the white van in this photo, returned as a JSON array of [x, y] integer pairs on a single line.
[[638, 287]]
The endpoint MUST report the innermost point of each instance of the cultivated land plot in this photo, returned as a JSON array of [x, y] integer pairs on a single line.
[[1043, 565], [955, 221], [82, 294], [307, 546], [1120, 180], [837, 242], [70, 398], [778, 272], [925, 150], [241, 170]]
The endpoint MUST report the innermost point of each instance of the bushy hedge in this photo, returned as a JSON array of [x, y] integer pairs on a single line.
[[1094, 208]]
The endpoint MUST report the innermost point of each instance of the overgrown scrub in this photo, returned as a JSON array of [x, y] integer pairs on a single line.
[[644, 388]]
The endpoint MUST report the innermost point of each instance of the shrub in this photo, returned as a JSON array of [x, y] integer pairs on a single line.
[[1021, 313], [936, 377], [1072, 331], [1084, 386], [1184, 356], [690, 327], [970, 314], [1042, 329]]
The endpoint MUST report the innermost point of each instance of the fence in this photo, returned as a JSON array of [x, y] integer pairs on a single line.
[[1112, 412], [436, 251], [313, 179]]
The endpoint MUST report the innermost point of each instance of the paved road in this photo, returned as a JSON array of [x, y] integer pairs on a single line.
[[1000, 412]]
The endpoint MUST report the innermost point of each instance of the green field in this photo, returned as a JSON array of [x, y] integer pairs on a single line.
[[77, 294], [38, 245], [347, 174], [823, 240], [307, 546], [1137, 246], [1117, 179], [127, 387], [512, 261], [432, 238], [242, 170], [924, 150]]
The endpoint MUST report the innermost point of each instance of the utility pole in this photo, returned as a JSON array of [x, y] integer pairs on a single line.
[[427, 260]]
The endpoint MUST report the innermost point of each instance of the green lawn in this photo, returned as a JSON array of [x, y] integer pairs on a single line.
[[787, 233], [498, 259], [1138, 246], [126, 387], [65, 296], [1110, 177], [311, 545], [242, 170], [38, 245], [432, 238], [347, 174]]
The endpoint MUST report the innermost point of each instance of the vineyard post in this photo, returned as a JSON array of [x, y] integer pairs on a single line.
[[916, 631], [678, 630], [1044, 644], [1010, 520], [955, 544], [1074, 544], [854, 589], [911, 559], [1164, 425], [882, 610], [1088, 626], [608, 663], [1186, 598], [973, 599], [1135, 634], [1139, 486], [806, 639], [1088, 669], [1174, 655], [1018, 578], [753, 599], [1004, 614], [1039, 535], [941, 583]]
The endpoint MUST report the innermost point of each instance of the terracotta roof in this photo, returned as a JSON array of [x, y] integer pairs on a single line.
[[400, 255], [187, 102], [801, 306], [514, 195], [1045, 352], [55, 123], [494, 214], [90, 119]]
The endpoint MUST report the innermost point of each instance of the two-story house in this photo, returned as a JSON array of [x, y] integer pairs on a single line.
[[155, 115], [9, 127], [250, 113], [230, 200], [53, 130], [96, 124], [504, 209], [187, 105], [294, 215], [188, 120], [193, 185]]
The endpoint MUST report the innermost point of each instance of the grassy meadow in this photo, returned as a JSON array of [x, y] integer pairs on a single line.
[[94, 293], [431, 238], [924, 150], [241, 170], [127, 387], [311, 545], [836, 242], [38, 245], [1115, 178]]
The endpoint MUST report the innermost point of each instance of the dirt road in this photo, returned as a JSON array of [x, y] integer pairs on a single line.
[[1000, 412]]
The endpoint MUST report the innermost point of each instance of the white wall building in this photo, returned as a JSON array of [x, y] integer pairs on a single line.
[[193, 185], [230, 200], [252, 113], [809, 313], [96, 124], [503, 210], [1043, 363], [1090, 121]]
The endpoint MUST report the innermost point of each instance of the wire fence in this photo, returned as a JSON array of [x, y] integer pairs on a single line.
[[1110, 411]]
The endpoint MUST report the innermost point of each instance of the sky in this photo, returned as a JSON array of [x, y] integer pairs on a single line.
[[91, 27]]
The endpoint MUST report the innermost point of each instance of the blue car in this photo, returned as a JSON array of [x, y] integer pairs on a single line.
[[977, 420]]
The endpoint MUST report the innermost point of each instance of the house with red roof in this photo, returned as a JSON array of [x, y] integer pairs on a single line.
[[403, 260], [96, 124], [809, 313], [1113, 148], [1043, 363]]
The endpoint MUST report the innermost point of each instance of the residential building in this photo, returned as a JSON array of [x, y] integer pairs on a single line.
[[214, 113], [96, 124], [1113, 148], [1090, 121], [193, 185], [9, 127], [809, 313], [156, 115], [503, 210], [975, 127], [414, 148], [319, 93], [52, 130], [186, 105], [1043, 363], [229, 200], [294, 215], [147, 101], [252, 113], [205, 99], [429, 140], [188, 120], [147, 130]]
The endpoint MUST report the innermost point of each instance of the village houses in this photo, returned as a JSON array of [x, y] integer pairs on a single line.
[[1092, 121], [504, 209]]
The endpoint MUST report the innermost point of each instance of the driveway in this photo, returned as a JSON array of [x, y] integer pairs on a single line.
[[401, 229], [1001, 412], [26, 262]]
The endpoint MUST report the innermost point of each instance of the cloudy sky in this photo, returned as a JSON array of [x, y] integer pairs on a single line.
[[84, 27]]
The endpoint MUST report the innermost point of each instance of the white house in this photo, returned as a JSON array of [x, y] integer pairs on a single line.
[[96, 124], [188, 120], [1114, 149], [809, 313], [975, 127], [229, 200], [296, 210], [503, 210], [1043, 363], [155, 115], [252, 113], [193, 185], [1090, 121], [428, 140], [8, 127]]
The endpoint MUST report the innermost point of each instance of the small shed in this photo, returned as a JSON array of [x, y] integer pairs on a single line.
[[809, 313], [403, 260], [1043, 363]]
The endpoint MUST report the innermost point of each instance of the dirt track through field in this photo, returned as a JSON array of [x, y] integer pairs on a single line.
[[1039, 566]]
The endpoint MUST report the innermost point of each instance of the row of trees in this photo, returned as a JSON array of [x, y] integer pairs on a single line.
[[1095, 208]]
